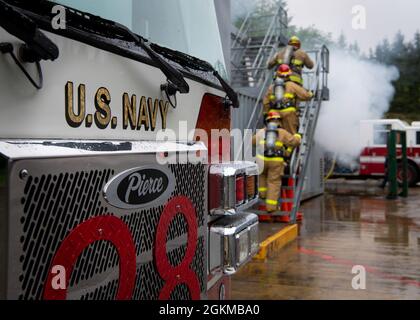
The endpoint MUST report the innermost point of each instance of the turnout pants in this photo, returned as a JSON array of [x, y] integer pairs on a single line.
[[270, 182], [290, 121]]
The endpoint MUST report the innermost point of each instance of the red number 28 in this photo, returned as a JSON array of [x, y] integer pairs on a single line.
[[114, 230]]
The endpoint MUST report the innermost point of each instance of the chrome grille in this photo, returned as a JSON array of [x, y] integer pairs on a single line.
[[57, 196]]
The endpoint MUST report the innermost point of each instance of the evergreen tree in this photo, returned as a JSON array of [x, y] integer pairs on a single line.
[[406, 57], [416, 41], [403, 54], [310, 37], [383, 52], [342, 42], [354, 48], [371, 54], [257, 9], [398, 46]]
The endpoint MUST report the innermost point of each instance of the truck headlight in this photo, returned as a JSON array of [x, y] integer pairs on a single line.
[[236, 237]]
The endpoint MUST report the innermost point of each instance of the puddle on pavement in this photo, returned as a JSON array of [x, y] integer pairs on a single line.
[[338, 233]]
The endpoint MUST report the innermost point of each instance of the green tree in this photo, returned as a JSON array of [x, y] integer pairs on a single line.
[[354, 48], [258, 9], [405, 55], [416, 42], [342, 41], [383, 52], [310, 37], [398, 46], [267, 7]]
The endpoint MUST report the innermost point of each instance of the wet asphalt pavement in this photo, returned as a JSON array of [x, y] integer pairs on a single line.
[[338, 233]]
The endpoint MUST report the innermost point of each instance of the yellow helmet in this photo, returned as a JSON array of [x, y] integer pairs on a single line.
[[295, 42]]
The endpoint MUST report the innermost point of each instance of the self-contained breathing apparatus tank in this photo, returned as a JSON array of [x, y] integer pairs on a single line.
[[288, 55], [279, 91], [271, 136], [271, 148]]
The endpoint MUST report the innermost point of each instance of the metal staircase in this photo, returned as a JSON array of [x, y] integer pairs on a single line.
[[315, 80], [256, 41], [253, 44]]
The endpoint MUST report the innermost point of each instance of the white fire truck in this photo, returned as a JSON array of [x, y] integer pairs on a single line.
[[374, 135], [373, 140], [90, 205]]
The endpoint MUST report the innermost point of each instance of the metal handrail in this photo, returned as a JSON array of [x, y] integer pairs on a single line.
[[242, 35], [252, 47], [241, 29], [306, 114], [319, 70], [269, 32], [261, 58], [300, 160], [265, 49], [255, 74]]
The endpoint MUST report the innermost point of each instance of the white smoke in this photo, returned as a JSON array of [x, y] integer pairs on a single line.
[[359, 90]]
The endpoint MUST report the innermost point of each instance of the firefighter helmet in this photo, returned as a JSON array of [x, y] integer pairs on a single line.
[[295, 42], [273, 116], [284, 71]]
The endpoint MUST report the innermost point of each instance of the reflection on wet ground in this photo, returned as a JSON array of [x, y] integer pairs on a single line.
[[340, 232]]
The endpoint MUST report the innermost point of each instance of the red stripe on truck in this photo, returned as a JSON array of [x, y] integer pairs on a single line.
[[382, 152]]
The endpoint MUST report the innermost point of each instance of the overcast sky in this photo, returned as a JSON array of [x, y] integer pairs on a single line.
[[384, 18]]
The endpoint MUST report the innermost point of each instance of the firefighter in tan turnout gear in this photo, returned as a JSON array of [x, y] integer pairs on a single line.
[[295, 57], [288, 107], [272, 143]]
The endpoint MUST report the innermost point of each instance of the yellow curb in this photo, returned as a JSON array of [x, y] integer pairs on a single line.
[[277, 241]]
